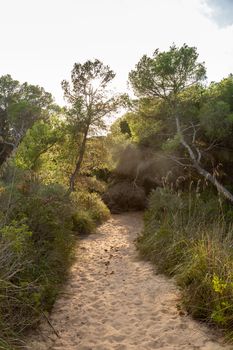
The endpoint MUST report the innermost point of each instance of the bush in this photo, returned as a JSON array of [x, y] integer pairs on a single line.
[[207, 280], [190, 236], [125, 196], [37, 224], [154, 247], [83, 223], [91, 203], [36, 245]]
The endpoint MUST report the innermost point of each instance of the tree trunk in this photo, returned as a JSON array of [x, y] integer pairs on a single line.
[[196, 163], [78, 164]]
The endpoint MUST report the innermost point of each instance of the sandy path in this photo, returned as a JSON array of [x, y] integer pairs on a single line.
[[115, 301]]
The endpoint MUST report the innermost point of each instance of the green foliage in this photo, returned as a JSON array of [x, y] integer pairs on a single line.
[[38, 221], [37, 141], [172, 143], [117, 141], [217, 120], [177, 117], [89, 82], [222, 91], [189, 236], [206, 276], [83, 223], [142, 127], [56, 164], [124, 127], [167, 72], [36, 248], [92, 204], [17, 235], [96, 157], [89, 102], [21, 105]]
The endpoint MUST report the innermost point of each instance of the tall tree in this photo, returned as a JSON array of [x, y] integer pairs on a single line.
[[20, 106], [89, 102], [166, 76]]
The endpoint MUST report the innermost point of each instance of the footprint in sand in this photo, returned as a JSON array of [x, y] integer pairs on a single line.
[[118, 302]]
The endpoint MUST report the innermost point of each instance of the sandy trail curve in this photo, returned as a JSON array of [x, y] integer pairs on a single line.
[[115, 301]]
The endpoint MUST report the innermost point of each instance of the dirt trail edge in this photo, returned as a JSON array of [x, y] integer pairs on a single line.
[[115, 301]]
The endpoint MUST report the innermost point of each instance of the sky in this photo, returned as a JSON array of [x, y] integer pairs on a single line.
[[222, 11], [42, 39]]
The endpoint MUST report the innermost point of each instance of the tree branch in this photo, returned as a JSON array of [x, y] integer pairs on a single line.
[[196, 163]]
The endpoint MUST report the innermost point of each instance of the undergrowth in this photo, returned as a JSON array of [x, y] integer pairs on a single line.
[[38, 228], [190, 236]]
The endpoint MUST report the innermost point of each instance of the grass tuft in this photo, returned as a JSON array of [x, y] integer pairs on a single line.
[[190, 236]]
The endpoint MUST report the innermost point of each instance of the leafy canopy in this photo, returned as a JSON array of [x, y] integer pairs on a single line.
[[87, 94], [21, 105], [167, 73]]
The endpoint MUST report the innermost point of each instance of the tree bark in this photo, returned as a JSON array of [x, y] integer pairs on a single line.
[[79, 163]]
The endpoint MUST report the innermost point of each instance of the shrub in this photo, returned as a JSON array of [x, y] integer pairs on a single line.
[[207, 280], [83, 222], [190, 236], [36, 244], [37, 224], [163, 249], [16, 308], [91, 203], [125, 196]]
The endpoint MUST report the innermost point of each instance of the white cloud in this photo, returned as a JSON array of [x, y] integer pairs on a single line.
[[222, 11]]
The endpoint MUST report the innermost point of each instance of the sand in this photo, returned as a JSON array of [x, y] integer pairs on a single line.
[[116, 301]]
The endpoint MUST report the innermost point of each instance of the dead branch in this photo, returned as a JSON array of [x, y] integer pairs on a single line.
[[196, 163]]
